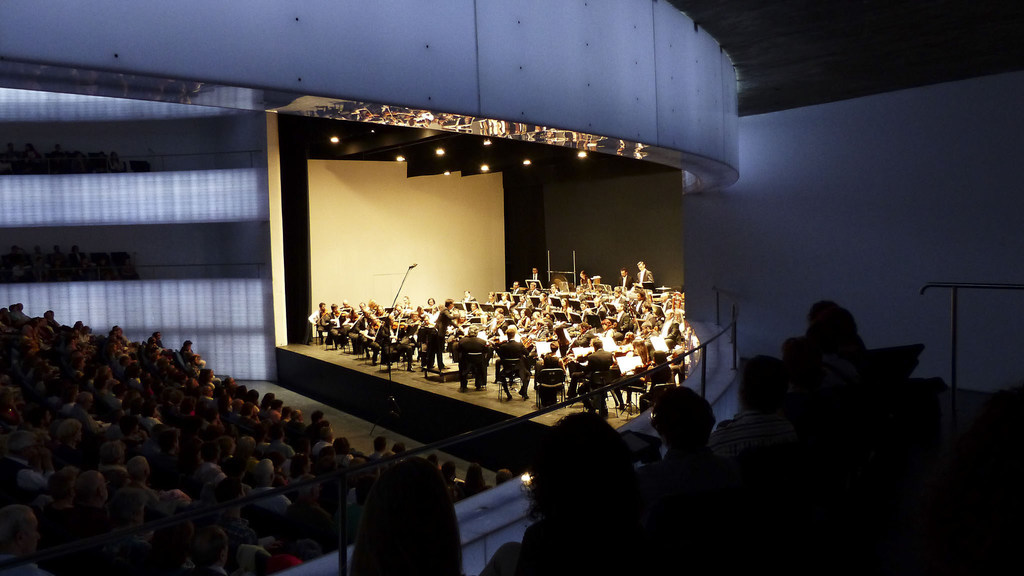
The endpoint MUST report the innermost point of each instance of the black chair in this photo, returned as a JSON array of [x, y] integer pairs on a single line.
[[550, 380], [506, 372]]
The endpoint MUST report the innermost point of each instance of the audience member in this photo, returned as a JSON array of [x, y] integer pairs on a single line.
[[19, 536], [408, 527], [759, 423]]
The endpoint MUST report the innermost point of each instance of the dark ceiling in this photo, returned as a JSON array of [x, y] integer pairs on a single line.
[[792, 53]]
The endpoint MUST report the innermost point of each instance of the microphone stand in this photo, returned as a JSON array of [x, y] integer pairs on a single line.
[[391, 408]]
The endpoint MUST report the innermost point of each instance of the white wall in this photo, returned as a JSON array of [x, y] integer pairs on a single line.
[[368, 223], [863, 202], [633, 69]]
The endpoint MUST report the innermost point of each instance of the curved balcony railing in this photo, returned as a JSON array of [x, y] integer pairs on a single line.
[[697, 354]]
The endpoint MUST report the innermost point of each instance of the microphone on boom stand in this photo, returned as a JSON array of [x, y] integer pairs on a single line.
[[392, 409]]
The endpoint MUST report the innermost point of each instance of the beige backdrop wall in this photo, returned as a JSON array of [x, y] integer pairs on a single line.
[[369, 223]]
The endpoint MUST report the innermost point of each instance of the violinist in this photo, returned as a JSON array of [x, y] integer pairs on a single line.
[[402, 342], [378, 337]]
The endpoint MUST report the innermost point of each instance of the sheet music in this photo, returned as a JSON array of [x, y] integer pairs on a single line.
[[609, 343], [543, 348], [628, 364], [659, 344], [582, 351]]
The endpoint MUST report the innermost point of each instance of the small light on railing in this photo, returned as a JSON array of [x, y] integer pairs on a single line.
[[526, 478]]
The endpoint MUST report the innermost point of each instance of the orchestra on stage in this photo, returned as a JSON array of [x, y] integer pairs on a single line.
[[566, 338]]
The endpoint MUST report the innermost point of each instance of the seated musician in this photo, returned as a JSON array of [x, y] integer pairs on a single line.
[[514, 351], [472, 353], [549, 361], [335, 335], [585, 282], [534, 290], [377, 337], [516, 288], [598, 362]]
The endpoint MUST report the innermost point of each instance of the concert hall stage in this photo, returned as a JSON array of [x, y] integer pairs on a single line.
[[427, 409]]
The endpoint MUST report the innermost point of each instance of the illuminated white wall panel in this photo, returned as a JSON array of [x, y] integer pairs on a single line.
[[34, 106], [142, 198], [580, 63], [594, 66], [225, 319]]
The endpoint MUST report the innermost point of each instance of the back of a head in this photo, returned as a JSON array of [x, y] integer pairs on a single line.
[[408, 526], [683, 419], [583, 460], [14, 519], [764, 384], [208, 545]]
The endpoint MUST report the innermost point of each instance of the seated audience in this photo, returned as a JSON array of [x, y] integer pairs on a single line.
[[759, 423]]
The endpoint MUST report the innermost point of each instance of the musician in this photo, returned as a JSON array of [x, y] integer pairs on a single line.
[[467, 297], [534, 289], [644, 277], [610, 329], [378, 336], [472, 352], [445, 321], [504, 300], [599, 362], [585, 281], [336, 335], [625, 280], [357, 332], [427, 340], [400, 344], [431, 308], [535, 277], [549, 396], [516, 288], [509, 351]]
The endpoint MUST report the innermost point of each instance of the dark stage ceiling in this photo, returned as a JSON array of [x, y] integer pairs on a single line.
[[793, 53]]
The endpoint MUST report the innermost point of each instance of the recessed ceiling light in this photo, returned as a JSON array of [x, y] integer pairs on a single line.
[[487, 142], [447, 173], [400, 158], [527, 162], [439, 151], [335, 139], [582, 154], [485, 168]]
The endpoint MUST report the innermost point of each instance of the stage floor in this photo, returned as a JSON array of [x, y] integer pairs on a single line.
[[488, 398]]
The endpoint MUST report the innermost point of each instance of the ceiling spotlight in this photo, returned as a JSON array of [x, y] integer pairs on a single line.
[[485, 168], [447, 172], [439, 151], [335, 139], [582, 154], [487, 142], [527, 162], [372, 131], [400, 158]]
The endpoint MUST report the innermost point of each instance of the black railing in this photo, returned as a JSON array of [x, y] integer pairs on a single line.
[[342, 475], [954, 289]]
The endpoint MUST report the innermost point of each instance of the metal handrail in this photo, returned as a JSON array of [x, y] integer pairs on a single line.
[[342, 474], [954, 288]]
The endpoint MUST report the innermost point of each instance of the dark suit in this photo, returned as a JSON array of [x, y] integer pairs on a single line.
[[598, 363], [626, 282], [513, 350], [445, 319], [426, 338], [472, 358], [648, 279]]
